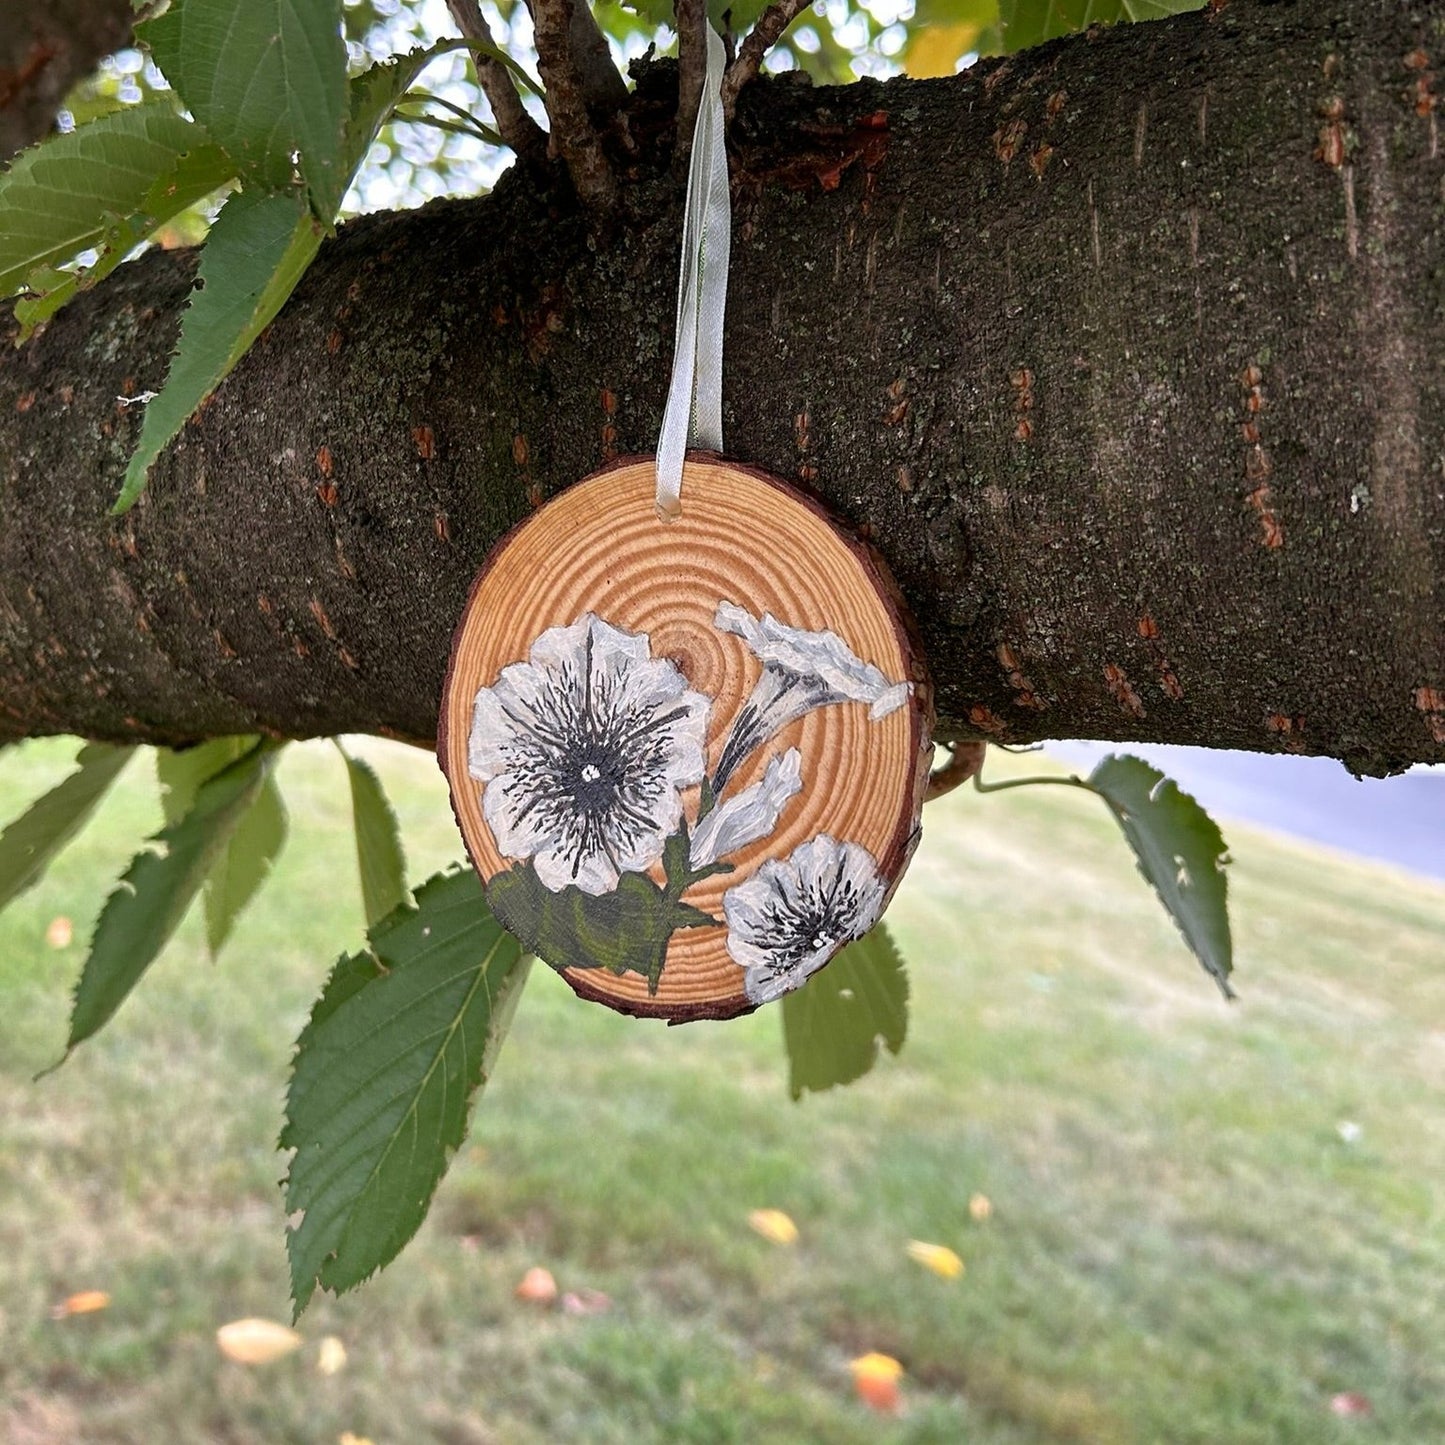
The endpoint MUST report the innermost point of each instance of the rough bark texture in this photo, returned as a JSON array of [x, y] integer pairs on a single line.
[[1128, 353], [44, 51]]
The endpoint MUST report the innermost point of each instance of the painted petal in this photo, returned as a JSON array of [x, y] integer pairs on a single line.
[[519, 829], [748, 907], [635, 852], [890, 700], [594, 873], [751, 815]]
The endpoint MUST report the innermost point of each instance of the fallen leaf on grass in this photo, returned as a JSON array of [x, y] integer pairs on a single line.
[[937, 1257], [60, 932], [84, 1303], [586, 1302], [347, 1438], [331, 1357], [1350, 1403], [875, 1378], [256, 1342], [980, 1206], [537, 1286], [774, 1226]]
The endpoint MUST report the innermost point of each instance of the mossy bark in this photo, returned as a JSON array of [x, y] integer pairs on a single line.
[[1128, 353]]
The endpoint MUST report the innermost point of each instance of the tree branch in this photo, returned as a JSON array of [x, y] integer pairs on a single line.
[[691, 18], [574, 135], [1173, 482], [525, 137], [46, 50], [761, 39], [603, 87]]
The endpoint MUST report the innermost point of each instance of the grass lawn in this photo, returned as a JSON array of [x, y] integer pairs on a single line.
[[1185, 1246]]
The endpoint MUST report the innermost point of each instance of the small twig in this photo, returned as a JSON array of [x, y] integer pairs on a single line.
[[764, 35], [574, 136], [691, 72], [474, 131], [965, 760], [514, 125]]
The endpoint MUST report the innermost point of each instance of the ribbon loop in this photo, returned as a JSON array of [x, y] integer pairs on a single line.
[[694, 400]]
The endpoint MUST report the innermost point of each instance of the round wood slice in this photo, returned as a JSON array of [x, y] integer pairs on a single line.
[[660, 636]]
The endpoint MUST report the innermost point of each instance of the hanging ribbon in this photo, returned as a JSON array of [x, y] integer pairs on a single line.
[[694, 401]]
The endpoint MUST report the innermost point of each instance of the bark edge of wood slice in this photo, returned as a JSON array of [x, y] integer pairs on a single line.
[[609, 666]]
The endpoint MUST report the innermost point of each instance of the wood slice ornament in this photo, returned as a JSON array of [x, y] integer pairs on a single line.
[[688, 757]]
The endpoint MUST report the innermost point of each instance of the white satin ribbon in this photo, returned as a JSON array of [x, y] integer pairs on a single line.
[[694, 401]]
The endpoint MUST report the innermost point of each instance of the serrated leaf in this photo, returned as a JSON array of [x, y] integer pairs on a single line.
[[157, 888], [33, 839], [181, 771], [258, 249], [268, 79], [1179, 849], [833, 1025], [379, 852], [1031, 22], [245, 864], [109, 183], [384, 1076]]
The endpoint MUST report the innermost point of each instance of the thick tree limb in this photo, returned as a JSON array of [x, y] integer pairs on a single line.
[[575, 136], [1141, 395], [526, 138], [44, 51]]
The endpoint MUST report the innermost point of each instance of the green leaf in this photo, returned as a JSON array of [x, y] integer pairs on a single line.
[[1031, 22], [832, 1026], [157, 888], [1179, 849], [268, 80], [257, 251], [384, 1076], [626, 930], [33, 839], [942, 32], [378, 842], [181, 771], [109, 184], [245, 864]]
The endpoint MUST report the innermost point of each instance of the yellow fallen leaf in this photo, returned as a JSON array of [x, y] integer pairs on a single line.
[[84, 1303], [256, 1342], [937, 1257], [980, 1207], [347, 1438], [875, 1378], [331, 1357], [774, 1226], [60, 932], [537, 1286]]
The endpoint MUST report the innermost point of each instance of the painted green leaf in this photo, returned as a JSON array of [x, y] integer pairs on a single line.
[[626, 930], [378, 842], [1179, 849], [108, 184], [245, 862], [384, 1077], [1031, 22], [33, 839], [157, 888], [268, 80], [833, 1025], [256, 252]]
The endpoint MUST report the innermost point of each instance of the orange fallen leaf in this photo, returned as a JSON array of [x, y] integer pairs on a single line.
[[980, 1207], [537, 1286], [331, 1356], [256, 1342], [87, 1302], [774, 1226], [60, 932], [937, 1257], [875, 1378]]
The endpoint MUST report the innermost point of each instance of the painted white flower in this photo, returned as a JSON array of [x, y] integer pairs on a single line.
[[801, 670], [584, 749], [790, 917], [750, 814]]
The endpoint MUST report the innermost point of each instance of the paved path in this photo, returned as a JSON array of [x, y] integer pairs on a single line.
[[1396, 820]]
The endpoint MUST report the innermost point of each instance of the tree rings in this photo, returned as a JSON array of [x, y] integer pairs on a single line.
[[687, 757]]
